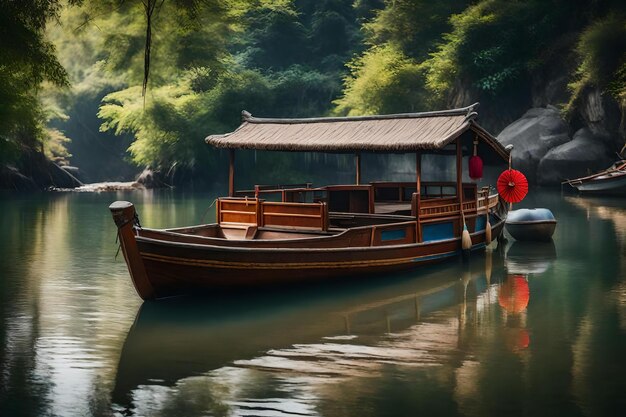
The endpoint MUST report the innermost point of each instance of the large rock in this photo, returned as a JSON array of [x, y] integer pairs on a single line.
[[34, 171], [12, 179], [586, 153], [74, 172], [533, 135], [601, 113], [53, 176], [151, 179]]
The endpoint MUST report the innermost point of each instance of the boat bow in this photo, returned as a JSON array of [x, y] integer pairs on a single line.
[[125, 218]]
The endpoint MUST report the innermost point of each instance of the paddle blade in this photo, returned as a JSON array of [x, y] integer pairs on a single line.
[[466, 240]]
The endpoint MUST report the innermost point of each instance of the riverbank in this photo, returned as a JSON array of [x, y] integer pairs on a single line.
[[33, 171]]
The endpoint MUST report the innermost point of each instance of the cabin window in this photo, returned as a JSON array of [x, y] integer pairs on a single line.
[[449, 190], [386, 193], [437, 231], [394, 234]]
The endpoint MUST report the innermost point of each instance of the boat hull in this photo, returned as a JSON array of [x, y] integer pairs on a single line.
[[532, 231], [178, 268], [537, 224], [613, 185], [612, 181], [181, 265]]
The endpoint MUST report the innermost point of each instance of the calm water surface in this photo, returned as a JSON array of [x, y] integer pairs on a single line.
[[526, 330]]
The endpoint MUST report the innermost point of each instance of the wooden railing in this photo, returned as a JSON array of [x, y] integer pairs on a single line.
[[448, 207], [244, 211], [253, 212], [272, 188], [278, 192], [355, 199]]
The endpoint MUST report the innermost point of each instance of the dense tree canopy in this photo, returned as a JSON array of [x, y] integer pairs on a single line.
[[210, 59], [27, 59]]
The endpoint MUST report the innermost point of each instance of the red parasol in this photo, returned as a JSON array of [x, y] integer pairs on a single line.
[[512, 186]]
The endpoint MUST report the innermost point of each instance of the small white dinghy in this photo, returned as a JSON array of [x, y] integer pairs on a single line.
[[531, 224]]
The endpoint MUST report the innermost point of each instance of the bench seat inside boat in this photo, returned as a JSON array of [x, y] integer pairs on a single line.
[[339, 222], [251, 232]]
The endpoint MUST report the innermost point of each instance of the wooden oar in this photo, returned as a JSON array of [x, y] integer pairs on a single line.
[[487, 229], [466, 240]]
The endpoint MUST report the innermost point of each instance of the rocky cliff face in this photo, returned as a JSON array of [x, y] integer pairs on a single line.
[[35, 172], [550, 149], [533, 135]]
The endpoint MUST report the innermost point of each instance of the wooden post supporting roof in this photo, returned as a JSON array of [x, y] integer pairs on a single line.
[[231, 172], [358, 168], [418, 172], [418, 192], [459, 181]]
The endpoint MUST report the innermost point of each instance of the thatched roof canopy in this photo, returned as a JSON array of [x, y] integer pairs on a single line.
[[390, 133]]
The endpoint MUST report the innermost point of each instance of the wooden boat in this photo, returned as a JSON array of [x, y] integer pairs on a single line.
[[531, 224], [322, 233], [609, 181]]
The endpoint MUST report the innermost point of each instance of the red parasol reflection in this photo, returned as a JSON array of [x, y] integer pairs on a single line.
[[516, 339], [514, 294]]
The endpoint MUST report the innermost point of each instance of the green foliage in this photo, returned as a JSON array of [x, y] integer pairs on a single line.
[[290, 58], [389, 77], [170, 129], [497, 45], [320, 35], [274, 38], [260, 56], [422, 53], [27, 59], [299, 90], [492, 44], [602, 54], [414, 25], [382, 80], [54, 147]]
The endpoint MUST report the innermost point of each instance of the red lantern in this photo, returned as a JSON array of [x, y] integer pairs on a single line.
[[475, 165]]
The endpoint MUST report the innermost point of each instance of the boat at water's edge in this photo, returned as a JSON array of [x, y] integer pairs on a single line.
[[531, 224], [323, 233], [164, 263], [611, 181]]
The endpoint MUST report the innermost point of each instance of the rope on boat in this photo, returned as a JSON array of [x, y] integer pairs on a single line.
[[207, 211], [118, 243], [136, 221]]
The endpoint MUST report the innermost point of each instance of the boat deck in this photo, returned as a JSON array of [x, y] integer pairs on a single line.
[[391, 207]]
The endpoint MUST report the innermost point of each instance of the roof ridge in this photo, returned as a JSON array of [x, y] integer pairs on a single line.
[[468, 111]]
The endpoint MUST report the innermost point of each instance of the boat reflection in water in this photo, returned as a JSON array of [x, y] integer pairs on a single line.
[[523, 260], [527, 258], [289, 353]]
